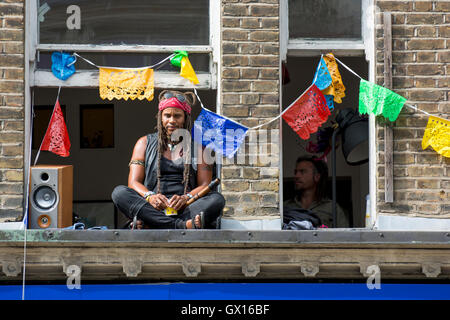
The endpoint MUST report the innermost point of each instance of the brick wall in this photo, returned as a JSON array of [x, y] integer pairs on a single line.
[[11, 108], [250, 95], [421, 39]]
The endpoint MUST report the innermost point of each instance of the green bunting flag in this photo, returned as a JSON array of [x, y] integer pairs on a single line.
[[179, 55], [374, 99]]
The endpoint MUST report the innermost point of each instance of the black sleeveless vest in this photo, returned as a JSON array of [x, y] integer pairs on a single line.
[[151, 164]]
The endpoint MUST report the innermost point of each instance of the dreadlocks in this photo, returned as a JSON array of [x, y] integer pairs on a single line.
[[163, 139]]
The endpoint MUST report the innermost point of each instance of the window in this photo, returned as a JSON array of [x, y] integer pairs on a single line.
[[310, 28], [121, 33], [325, 19], [124, 22]]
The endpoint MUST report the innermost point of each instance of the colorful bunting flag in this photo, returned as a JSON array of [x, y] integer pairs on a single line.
[[376, 100], [181, 60], [56, 137], [437, 135], [126, 84], [330, 102], [337, 87], [63, 65], [322, 78], [218, 133], [225, 136], [179, 55], [187, 71], [307, 113]]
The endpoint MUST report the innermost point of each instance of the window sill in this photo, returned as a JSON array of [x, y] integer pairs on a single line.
[[314, 47], [89, 79]]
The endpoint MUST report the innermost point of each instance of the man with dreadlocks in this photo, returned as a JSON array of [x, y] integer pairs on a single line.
[[162, 174]]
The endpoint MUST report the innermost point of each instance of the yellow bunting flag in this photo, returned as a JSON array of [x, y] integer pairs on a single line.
[[437, 135], [337, 87], [187, 71], [126, 83]]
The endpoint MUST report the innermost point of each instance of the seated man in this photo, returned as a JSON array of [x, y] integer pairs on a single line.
[[311, 177], [162, 176]]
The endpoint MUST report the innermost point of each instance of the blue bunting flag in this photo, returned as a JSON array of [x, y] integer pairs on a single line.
[[218, 133], [63, 65], [322, 78]]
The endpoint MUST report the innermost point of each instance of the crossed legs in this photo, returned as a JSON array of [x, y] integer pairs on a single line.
[[131, 203]]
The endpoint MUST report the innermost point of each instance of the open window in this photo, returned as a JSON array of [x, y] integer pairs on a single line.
[[310, 28], [115, 33]]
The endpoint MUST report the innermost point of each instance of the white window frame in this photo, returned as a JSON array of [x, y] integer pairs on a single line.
[[89, 78], [365, 46]]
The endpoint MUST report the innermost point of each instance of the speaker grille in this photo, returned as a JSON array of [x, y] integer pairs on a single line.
[[44, 197]]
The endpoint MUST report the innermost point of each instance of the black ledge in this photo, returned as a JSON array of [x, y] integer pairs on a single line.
[[227, 237]]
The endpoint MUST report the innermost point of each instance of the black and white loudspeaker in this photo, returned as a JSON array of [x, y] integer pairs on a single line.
[[51, 196]]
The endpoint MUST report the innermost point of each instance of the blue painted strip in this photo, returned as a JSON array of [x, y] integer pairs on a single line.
[[229, 291]]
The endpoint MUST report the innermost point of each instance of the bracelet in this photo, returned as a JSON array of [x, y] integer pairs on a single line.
[[148, 193], [138, 162], [190, 196]]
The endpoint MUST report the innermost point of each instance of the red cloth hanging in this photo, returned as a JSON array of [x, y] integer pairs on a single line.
[[308, 113], [56, 137]]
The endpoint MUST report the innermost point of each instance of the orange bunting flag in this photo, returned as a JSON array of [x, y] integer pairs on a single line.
[[56, 137], [127, 83], [337, 87], [307, 113]]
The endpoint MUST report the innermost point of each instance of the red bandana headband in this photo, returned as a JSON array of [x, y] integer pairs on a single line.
[[174, 103]]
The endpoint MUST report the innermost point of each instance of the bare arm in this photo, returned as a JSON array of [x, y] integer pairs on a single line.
[[137, 175], [137, 172]]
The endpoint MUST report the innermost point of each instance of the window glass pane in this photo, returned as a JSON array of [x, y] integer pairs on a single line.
[[199, 61], [148, 22], [324, 19]]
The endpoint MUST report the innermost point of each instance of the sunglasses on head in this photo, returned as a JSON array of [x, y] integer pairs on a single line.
[[179, 96]]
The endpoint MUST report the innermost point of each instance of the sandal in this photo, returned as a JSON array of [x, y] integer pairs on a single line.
[[133, 225], [202, 219], [194, 226]]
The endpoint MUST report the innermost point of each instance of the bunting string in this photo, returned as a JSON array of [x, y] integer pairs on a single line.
[[327, 88], [346, 67], [262, 124], [265, 123], [406, 104], [121, 68]]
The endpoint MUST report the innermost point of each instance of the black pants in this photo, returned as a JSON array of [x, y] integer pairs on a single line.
[[131, 203]]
